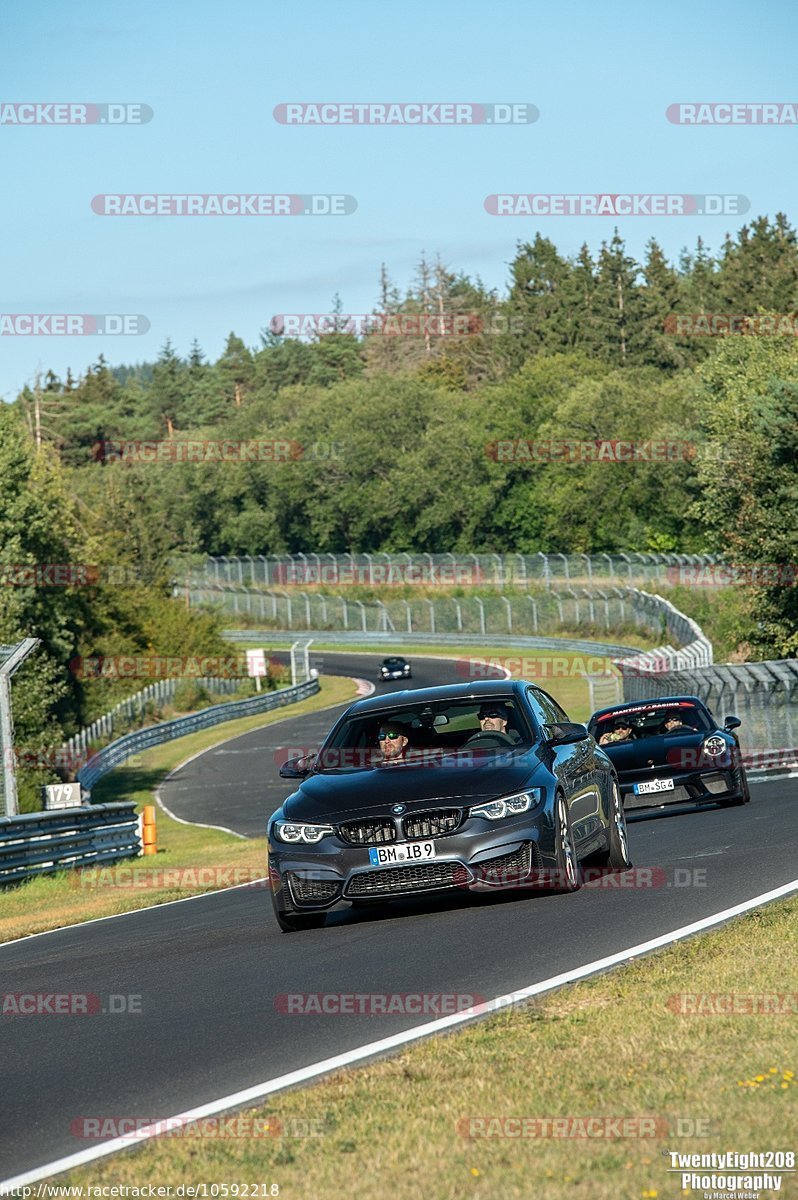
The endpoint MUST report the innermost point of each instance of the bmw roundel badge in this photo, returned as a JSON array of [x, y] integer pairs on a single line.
[[398, 809]]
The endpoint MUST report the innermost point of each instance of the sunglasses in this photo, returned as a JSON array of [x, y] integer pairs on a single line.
[[390, 736], [489, 716]]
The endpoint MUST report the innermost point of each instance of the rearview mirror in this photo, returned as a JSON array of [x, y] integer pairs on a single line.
[[732, 723], [566, 732]]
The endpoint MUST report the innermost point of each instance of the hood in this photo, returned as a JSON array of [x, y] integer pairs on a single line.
[[372, 791], [674, 751]]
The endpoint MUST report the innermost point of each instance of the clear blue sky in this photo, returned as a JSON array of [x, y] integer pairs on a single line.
[[602, 75]]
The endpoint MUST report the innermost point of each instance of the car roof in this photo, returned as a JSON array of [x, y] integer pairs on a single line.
[[633, 706], [476, 690]]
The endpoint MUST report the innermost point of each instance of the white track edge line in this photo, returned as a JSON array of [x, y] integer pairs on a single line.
[[349, 1057]]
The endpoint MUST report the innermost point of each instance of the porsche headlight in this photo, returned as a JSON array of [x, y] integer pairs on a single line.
[[714, 746], [507, 806], [294, 832]]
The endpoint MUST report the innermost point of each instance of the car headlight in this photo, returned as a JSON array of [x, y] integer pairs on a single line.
[[714, 746], [507, 806], [294, 832]]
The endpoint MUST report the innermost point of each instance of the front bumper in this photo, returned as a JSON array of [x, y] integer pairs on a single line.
[[503, 855], [701, 786]]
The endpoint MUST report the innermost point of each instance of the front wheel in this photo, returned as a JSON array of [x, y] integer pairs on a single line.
[[616, 856], [568, 873]]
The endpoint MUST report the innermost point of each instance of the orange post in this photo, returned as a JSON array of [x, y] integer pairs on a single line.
[[148, 834]]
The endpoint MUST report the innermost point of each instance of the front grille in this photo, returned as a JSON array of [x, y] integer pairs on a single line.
[[437, 823], [394, 881], [367, 833], [716, 784], [312, 891]]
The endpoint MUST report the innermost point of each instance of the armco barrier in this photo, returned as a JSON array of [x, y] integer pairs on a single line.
[[154, 735], [132, 709], [39, 843]]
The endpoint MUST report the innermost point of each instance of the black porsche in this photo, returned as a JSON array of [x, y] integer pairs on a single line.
[[476, 785], [672, 751]]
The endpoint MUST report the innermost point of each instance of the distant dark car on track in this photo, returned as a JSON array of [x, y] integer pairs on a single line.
[[672, 751], [473, 785], [395, 668]]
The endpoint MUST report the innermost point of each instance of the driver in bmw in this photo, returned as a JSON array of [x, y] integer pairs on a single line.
[[393, 741], [493, 718]]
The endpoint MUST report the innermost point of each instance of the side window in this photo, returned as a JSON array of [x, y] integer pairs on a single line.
[[553, 714], [538, 714]]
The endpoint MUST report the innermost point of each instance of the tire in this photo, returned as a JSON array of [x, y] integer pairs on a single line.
[[616, 856], [746, 796], [568, 872]]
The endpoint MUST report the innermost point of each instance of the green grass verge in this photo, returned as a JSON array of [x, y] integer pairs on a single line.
[[210, 858], [615, 1046]]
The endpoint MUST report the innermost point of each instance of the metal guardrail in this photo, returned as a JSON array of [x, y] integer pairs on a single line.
[[504, 641], [77, 748], [493, 570], [40, 843], [125, 747]]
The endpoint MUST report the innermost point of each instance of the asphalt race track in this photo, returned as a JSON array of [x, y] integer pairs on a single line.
[[209, 971]]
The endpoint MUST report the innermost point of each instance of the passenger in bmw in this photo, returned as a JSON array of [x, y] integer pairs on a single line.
[[393, 742]]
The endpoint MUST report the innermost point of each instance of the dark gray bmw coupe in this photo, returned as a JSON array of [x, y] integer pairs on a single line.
[[477, 785]]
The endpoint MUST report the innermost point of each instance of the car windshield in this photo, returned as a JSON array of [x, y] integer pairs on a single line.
[[669, 719], [428, 734]]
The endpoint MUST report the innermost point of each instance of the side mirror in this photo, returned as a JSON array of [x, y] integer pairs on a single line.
[[567, 732], [297, 768], [732, 723]]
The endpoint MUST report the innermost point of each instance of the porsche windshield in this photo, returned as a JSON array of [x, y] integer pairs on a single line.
[[669, 719], [431, 733]]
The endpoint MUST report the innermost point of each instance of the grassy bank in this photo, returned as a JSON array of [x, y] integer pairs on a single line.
[[206, 858]]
